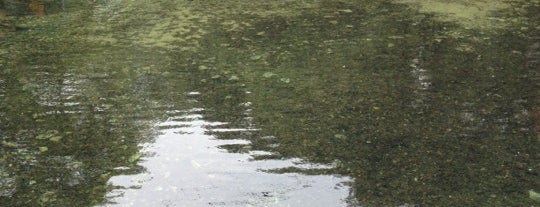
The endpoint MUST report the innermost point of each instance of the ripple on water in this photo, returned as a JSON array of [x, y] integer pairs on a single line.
[[188, 167]]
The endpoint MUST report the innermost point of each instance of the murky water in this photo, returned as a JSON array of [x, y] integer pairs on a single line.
[[289, 103]]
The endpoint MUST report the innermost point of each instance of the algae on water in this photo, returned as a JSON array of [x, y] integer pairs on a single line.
[[472, 13]]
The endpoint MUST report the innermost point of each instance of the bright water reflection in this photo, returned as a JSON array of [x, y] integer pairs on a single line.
[[185, 166]]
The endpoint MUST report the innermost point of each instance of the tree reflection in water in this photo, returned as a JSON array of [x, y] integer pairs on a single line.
[[411, 108]]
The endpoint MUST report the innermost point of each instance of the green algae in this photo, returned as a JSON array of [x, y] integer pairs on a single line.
[[471, 14]]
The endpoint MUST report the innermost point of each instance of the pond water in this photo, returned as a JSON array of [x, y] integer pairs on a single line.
[[286, 103]]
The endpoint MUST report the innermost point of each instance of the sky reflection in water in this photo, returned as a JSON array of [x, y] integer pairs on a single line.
[[185, 166]]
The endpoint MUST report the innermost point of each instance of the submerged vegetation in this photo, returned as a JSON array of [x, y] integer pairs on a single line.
[[418, 107]]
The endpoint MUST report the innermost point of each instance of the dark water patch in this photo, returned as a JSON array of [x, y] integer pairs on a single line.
[[418, 111]]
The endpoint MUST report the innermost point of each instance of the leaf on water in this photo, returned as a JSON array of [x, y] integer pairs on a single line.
[[75, 164], [42, 136], [340, 136], [43, 149], [10, 144], [48, 134], [28, 157], [285, 80], [269, 74], [55, 138], [216, 77], [465, 48], [534, 195], [135, 157], [234, 78], [203, 67], [346, 10]]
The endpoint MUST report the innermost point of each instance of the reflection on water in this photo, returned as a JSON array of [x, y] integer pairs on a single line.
[[311, 103], [185, 166], [422, 79]]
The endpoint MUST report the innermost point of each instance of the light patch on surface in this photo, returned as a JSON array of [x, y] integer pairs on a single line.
[[187, 168], [472, 13], [183, 25], [180, 28]]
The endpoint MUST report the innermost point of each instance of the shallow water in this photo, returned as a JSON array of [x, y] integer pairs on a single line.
[[312, 103]]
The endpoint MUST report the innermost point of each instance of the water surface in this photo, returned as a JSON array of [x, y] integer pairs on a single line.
[[312, 103]]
